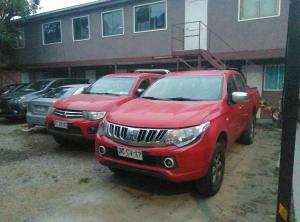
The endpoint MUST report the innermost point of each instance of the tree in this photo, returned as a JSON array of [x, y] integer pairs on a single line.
[[9, 10]]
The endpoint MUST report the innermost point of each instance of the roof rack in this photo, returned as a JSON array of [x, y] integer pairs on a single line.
[[158, 71]]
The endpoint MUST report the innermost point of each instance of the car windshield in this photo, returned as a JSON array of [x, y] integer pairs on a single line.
[[186, 88], [37, 86], [60, 92], [119, 86]]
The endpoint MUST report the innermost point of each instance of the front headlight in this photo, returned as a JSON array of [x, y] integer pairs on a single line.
[[103, 128], [93, 115], [51, 110], [183, 137]]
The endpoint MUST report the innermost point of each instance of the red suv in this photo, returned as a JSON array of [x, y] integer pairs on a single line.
[[77, 117], [179, 129]]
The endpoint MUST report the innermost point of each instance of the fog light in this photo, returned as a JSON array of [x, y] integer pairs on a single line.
[[102, 150], [169, 163], [92, 130]]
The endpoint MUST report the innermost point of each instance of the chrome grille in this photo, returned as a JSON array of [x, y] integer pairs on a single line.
[[37, 109], [68, 114], [136, 136]]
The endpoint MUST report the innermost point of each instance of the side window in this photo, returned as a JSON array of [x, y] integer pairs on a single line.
[[144, 84], [154, 79], [240, 82], [57, 83], [231, 87]]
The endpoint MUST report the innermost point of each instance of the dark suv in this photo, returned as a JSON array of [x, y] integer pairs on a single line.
[[15, 105]]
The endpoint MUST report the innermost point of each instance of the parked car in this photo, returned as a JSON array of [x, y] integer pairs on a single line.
[[9, 92], [15, 106], [180, 127], [77, 117], [38, 108], [10, 88]]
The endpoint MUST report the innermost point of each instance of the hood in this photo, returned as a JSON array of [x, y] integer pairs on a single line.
[[43, 101], [164, 114], [88, 102]]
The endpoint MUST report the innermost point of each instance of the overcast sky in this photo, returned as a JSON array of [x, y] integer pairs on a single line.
[[57, 4]]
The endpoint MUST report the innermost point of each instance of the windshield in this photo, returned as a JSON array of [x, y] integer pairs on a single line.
[[186, 88], [119, 86], [60, 92], [36, 86]]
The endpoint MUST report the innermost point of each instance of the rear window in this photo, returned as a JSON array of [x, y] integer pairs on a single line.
[[112, 86], [60, 92], [37, 86]]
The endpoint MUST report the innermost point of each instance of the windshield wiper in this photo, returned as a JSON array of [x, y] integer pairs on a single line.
[[182, 99], [150, 97]]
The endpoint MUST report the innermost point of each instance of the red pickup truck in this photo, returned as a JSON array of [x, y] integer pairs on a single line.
[[77, 117], [180, 128]]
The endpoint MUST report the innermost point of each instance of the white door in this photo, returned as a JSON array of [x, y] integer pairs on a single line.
[[195, 32]]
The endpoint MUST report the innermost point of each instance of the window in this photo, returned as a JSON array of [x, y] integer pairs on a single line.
[[231, 87], [20, 38], [274, 77], [240, 83], [254, 9], [52, 32], [81, 28], [113, 23], [150, 17]]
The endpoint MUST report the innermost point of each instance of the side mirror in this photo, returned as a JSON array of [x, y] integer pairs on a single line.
[[139, 92], [240, 97]]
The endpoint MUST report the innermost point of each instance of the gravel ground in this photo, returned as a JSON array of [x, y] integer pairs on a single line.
[[41, 181]]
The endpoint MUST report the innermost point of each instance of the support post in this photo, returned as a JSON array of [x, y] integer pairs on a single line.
[[199, 62], [290, 113], [69, 71]]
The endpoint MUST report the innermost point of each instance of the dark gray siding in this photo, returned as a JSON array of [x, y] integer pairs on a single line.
[[128, 45], [259, 34]]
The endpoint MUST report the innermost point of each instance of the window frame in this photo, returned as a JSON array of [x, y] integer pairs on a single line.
[[102, 21], [264, 78], [61, 33], [89, 27], [256, 18], [23, 30], [151, 3]]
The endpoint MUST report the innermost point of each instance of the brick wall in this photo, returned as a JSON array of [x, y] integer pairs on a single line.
[[9, 77]]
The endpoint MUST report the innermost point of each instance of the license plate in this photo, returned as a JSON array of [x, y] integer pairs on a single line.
[[130, 153], [60, 124], [41, 109]]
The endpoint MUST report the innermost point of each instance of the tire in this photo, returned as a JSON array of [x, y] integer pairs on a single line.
[[211, 183], [247, 136], [116, 170], [61, 141]]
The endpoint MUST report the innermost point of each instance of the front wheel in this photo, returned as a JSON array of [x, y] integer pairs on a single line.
[[211, 183], [247, 136]]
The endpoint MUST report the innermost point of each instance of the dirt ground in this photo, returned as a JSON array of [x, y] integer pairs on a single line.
[[41, 181]]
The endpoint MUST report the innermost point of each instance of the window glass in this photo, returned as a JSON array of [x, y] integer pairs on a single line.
[[36, 86], [240, 83], [112, 23], [250, 9], [150, 17], [20, 38], [81, 28], [197, 88], [52, 32], [60, 92], [231, 87], [112, 85], [274, 77]]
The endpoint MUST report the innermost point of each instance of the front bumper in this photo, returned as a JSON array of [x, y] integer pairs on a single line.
[[192, 162], [79, 129], [13, 110], [35, 119]]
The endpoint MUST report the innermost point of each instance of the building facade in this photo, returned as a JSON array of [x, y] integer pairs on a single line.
[[98, 38]]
